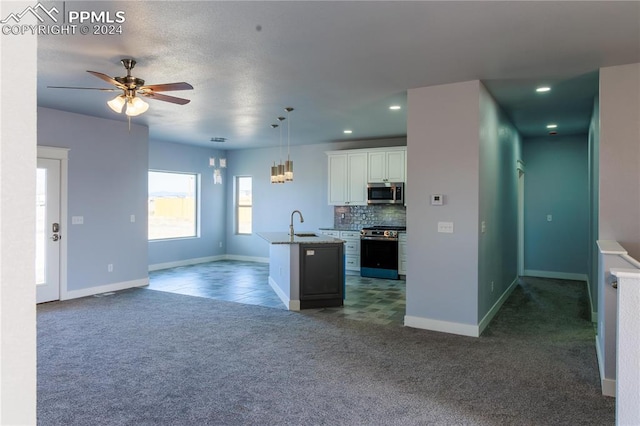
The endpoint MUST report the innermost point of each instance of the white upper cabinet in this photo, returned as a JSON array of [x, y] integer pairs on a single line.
[[348, 179], [357, 179], [351, 170], [387, 166]]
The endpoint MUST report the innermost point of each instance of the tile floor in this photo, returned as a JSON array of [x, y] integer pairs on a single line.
[[367, 299]]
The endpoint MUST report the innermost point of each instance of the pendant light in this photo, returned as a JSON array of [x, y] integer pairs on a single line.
[[274, 168], [281, 178], [288, 166]]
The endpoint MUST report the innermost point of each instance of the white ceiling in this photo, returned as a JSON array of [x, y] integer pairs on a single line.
[[339, 64]]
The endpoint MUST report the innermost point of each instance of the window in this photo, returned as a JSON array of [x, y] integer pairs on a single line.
[[243, 204], [172, 205]]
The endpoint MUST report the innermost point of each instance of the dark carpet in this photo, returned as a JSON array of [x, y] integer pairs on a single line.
[[142, 357]]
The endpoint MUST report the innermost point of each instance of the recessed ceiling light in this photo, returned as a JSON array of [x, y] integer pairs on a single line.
[[348, 132], [395, 107], [551, 126], [543, 89]]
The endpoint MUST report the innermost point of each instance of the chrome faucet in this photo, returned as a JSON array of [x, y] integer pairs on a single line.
[[291, 223]]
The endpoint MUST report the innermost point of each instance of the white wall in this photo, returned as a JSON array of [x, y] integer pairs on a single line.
[[17, 233], [443, 158], [619, 211]]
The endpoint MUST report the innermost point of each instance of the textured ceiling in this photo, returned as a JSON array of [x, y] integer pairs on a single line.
[[339, 64]]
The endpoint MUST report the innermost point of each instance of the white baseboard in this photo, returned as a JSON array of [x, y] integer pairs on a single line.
[[608, 386], [555, 275], [443, 326], [247, 258], [185, 262], [292, 305], [496, 307], [74, 294]]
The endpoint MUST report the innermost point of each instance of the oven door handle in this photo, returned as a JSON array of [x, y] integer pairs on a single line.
[[378, 239]]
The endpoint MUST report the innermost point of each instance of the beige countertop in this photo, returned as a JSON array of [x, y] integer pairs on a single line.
[[285, 238]]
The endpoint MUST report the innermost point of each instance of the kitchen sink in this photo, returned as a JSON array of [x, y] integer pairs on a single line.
[[305, 234]]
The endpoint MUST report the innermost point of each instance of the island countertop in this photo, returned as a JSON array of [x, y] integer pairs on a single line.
[[285, 238]]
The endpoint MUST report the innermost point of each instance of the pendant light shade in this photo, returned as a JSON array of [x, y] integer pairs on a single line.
[[274, 173], [288, 169], [117, 103], [280, 173]]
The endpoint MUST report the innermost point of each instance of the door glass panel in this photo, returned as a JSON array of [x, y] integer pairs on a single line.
[[41, 221]]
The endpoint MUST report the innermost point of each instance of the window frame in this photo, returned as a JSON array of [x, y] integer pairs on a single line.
[[197, 196], [237, 204]]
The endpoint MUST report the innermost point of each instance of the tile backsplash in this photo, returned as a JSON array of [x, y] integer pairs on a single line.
[[356, 217]]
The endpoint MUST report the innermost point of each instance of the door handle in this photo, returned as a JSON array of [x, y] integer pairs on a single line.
[[56, 237]]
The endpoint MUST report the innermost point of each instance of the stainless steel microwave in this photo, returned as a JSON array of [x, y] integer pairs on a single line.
[[385, 193]]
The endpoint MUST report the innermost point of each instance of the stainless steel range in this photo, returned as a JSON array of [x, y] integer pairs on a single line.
[[379, 251]]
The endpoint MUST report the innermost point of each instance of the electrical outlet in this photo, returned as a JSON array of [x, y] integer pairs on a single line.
[[549, 218], [445, 227], [220, 244], [483, 227], [132, 218], [110, 267], [342, 216], [491, 286]]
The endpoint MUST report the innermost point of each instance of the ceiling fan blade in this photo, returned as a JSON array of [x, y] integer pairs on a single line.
[[166, 98], [169, 87], [106, 78], [83, 88]]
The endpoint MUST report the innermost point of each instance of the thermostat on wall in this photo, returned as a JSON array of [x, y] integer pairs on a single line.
[[437, 199]]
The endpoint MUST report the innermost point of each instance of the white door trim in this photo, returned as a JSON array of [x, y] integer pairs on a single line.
[[520, 184], [61, 154]]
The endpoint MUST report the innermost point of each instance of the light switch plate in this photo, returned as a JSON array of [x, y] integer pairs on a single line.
[[445, 227], [77, 220]]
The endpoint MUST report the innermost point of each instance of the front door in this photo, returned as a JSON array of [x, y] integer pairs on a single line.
[[48, 229]]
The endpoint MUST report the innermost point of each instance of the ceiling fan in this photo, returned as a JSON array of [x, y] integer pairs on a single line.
[[131, 87]]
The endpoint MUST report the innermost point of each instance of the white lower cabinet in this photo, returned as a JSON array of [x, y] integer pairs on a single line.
[[402, 253], [351, 247]]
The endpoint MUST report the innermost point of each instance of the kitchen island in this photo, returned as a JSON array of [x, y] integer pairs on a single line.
[[306, 270]]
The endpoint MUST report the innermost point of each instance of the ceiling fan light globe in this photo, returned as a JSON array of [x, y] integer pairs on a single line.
[[117, 103], [136, 106]]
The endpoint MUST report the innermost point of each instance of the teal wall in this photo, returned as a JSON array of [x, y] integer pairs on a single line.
[[273, 204], [500, 150], [107, 183], [556, 184], [594, 197], [177, 157]]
